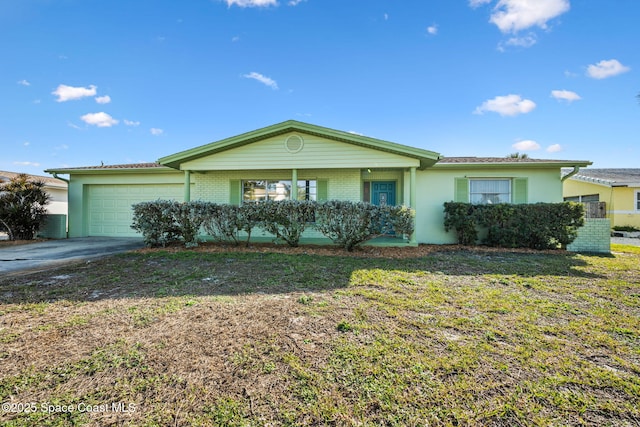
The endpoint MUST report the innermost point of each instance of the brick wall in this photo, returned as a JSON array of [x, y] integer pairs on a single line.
[[594, 236]]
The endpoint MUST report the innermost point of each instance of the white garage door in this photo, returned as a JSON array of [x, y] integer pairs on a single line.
[[109, 206]]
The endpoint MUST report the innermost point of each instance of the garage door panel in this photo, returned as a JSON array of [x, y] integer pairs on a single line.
[[110, 211]]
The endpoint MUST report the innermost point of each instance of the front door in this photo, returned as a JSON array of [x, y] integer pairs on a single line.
[[383, 193]]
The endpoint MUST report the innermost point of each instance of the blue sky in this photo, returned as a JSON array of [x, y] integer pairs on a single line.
[[87, 81]]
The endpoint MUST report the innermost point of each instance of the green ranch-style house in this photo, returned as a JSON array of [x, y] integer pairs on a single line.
[[324, 164]]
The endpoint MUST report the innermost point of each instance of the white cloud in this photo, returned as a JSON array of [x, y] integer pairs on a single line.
[[101, 120], [36, 164], [24, 83], [477, 3], [526, 41], [131, 123], [69, 93], [251, 3], [103, 99], [262, 79], [433, 29], [526, 145], [511, 16], [554, 148], [509, 105], [26, 143], [295, 2], [604, 69], [565, 95], [156, 131]]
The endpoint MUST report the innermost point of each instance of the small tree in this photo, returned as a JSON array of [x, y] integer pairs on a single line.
[[22, 207], [518, 155]]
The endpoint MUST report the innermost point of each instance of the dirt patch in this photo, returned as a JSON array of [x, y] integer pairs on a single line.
[[326, 250]]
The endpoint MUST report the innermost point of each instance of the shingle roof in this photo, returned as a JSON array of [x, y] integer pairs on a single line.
[[130, 166], [48, 180], [484, 160], [123, 166], [611, 177]]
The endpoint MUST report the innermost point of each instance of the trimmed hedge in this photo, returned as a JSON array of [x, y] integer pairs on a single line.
[[535, 226], [348, 224]]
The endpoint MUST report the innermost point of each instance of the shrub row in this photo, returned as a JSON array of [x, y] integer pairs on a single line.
[[536, 226], [348, 224]]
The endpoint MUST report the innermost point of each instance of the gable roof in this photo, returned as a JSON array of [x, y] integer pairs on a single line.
[[426, 158], [48, 181], [610, 177]]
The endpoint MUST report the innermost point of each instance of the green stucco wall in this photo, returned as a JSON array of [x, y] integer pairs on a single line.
[[435, 186]]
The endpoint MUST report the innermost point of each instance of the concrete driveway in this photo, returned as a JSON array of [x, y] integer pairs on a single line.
[[43, 255]]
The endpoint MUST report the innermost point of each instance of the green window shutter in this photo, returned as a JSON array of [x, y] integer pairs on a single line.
[[461, 190], [520, 190], [234, 192], [322, 191]]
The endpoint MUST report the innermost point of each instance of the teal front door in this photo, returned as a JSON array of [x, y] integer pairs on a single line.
[[383, 193]]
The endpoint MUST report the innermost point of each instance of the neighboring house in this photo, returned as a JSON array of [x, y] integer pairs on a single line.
[[303, 161], [618, 188], [55, 225], [56, 188]]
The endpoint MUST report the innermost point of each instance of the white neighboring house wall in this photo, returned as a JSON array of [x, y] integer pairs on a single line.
[[56, 188]]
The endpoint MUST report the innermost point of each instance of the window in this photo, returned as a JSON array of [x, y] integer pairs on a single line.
[[583, 199], [489, 191], [638, 200], [260, 190]]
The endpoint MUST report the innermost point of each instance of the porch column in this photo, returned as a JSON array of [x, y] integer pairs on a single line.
[[294, 184], [412, 201], [187, 186]]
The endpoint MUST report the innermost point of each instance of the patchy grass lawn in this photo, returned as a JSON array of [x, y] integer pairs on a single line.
[[158, 338]]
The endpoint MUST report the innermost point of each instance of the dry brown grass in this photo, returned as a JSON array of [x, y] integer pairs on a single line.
[[309, 336]]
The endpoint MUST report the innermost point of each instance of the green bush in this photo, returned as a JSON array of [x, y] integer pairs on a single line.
[[536, 226], [629, 228], [221, 222], [348, 224], [22, 207], [156, 222], [286, 219], [189, 218], [459, 217]]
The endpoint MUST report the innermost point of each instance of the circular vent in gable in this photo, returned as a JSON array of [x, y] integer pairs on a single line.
[[294, 143]]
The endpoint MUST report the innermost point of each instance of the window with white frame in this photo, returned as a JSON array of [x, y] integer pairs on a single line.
[[637, 200], [489, 191], [583, 199], [261, 190]]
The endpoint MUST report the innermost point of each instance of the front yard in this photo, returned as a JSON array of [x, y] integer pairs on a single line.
[[416, 337]]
